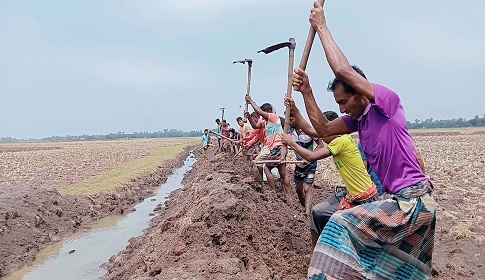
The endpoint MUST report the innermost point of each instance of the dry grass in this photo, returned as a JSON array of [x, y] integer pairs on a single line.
[[69, 163]]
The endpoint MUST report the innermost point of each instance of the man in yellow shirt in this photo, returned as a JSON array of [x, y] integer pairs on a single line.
[[359, 187], [244, 128]]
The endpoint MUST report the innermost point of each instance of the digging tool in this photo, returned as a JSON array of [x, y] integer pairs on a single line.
[[222, 109], [250, 65], [308, 44], [222, 136], [237, 154], [277, 161], [291, 44]]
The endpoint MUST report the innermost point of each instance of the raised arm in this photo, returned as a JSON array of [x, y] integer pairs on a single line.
[[308, 155], [336, 58], [320, 123], [255, 125], [300, 121], [258, 111]]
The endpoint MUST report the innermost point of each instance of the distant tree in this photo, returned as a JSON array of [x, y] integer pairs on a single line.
[[460, 122]]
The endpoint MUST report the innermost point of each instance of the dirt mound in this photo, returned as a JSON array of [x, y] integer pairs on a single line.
[[221, 225], [31, 218]]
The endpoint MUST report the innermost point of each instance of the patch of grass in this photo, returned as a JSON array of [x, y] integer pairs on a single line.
[[109, 181]]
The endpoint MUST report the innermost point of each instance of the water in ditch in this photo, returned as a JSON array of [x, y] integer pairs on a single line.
[[105, 238]]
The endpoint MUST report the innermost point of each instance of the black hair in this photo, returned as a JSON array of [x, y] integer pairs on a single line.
[[282, 120], [347, 88], [254, 115], [330, 115], [238, 119], [266, 107], [206, 130], [291, 114], [232, 130], [224, 121], [218, 120]]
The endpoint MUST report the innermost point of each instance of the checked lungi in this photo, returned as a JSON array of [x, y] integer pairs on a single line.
[[392, 238]]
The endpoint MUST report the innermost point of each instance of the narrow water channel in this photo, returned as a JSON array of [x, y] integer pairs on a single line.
[[104, 239]]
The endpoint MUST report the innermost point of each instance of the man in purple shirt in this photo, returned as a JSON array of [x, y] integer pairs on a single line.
[[395, 235]]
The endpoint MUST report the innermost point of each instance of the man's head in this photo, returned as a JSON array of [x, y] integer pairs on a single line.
[[267, 108], [223, 123], [206, 131], [240, 121], [218, 121], [291, 120], [255, 116], [349, 100], [330, 115]]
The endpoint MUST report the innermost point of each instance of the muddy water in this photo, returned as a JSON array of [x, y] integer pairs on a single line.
[[104, 239]]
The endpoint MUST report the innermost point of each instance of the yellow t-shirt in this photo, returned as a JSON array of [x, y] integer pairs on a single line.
[[349, 164], [245, 130]]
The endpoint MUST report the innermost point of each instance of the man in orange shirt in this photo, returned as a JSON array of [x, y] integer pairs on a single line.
[[273, 149]]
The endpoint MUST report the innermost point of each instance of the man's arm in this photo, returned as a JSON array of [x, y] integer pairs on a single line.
[[300, 121], [319, 144], [308, 155], [336, 58], [321, 124], [252, 141], [255, 125], [421, 161], [251, 135], [256, 108]]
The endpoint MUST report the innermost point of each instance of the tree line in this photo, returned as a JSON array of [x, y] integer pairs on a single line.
[[169, 133], [166, 133], [460, 122]]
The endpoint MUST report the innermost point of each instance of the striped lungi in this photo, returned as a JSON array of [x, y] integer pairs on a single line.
[[392, 238]]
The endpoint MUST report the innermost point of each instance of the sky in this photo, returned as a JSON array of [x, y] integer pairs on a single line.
[[101, 66]]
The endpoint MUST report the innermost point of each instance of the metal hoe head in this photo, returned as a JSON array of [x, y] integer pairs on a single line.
[[291, 44], [248, 60]]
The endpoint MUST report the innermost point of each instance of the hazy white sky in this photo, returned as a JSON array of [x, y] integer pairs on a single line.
[[95, 67]]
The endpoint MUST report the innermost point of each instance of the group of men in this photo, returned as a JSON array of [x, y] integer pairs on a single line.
[[226, 143], [381, 225]]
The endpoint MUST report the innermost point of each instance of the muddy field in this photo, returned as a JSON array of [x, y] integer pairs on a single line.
[[62, 164], [32, 218], [222, 225]]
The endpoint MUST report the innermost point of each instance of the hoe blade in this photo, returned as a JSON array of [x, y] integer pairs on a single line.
[[274, 47]]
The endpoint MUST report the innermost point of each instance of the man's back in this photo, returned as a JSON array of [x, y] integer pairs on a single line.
[[349, 164], [387, 143], [273, 128]]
